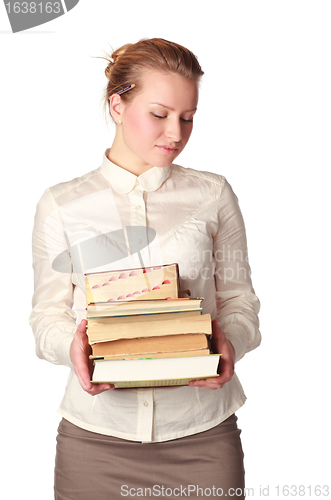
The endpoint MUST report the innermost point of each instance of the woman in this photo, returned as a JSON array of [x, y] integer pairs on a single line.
[[134, 442]]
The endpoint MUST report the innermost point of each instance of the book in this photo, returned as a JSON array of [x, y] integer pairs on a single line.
[[152, 325], [136, 316], [199, 352], [158, 282], [155, 372], [134, 307], [146, 346]]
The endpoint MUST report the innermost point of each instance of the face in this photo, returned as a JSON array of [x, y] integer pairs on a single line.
[[157, 124]]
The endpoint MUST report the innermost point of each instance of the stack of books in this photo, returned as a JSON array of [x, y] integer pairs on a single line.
[[142, 334]]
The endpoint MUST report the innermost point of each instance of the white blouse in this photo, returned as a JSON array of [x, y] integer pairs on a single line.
[[186, 216]]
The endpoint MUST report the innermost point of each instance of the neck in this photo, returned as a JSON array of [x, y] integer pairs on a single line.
[[123, 157]]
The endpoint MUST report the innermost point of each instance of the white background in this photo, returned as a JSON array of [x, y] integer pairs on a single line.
[[264, 123]]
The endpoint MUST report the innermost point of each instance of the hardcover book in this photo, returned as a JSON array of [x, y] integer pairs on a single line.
[[158, 282], [156, 372]]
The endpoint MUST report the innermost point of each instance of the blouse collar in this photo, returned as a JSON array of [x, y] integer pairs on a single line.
[[124, 181]]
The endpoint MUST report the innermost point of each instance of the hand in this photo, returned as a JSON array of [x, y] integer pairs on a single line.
[[220, 345], [83, 366]]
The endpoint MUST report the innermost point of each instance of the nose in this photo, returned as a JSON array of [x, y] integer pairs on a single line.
[[174, 129]]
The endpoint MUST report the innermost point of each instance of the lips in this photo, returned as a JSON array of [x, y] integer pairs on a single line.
[[167, 149]]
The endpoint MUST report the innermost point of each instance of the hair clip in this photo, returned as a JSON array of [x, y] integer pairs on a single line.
[[126, 89]]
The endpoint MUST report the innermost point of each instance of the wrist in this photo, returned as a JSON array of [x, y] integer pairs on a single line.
[[236, 335]]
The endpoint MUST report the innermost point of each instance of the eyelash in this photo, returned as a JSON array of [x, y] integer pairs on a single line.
[[161, 117]]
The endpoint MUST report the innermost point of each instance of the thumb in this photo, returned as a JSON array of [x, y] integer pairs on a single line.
[[81, 329]]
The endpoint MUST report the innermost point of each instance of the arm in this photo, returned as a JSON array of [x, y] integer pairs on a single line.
[[235, 332], [52, 319]]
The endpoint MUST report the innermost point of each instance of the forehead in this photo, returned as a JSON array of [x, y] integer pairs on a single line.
[[169, 89]]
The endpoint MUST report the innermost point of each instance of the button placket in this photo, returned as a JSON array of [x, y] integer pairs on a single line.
[[138, 218], [145, 414]]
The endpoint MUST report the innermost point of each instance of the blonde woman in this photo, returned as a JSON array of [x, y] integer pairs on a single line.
[[170, 441]]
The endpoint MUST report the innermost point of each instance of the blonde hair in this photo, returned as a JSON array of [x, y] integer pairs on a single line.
[[126, 65]]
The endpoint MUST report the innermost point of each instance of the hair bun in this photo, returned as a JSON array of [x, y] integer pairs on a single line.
[[115, 56]]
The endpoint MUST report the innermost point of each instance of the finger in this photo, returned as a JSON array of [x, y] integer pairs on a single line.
[[82, 371], [86, 384], [84, 378], [81, 328], [82, 368], [210, 383], [82, 340], [99, 388]]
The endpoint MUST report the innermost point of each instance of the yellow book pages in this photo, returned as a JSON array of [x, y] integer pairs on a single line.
[[180, 354], [103, 329], [157, 383], [144, 345]]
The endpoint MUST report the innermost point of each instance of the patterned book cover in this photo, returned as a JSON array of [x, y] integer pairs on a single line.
[[148, 283]]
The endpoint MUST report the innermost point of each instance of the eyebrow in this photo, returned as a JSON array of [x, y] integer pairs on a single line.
[[171, 109]]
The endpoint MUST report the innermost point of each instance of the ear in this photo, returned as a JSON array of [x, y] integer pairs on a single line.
[[115, 107]]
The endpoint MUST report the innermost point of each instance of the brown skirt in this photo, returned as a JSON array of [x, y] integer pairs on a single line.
[[90, 465]]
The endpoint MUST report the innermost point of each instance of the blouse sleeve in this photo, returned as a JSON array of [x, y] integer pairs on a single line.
[[52, 319], [237, 304]]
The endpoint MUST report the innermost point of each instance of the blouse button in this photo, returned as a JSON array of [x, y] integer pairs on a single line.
[[145, 403]]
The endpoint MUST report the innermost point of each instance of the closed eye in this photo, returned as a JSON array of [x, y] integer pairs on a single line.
[[157, 116], [161, 117]]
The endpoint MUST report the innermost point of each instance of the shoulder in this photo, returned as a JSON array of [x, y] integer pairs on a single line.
[[210, 184], [74, 184], [207, 189], [65, 192], [208, 178]]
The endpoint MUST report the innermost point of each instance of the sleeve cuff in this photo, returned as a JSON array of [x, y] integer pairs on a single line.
[[237, 336], [62, 348]]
